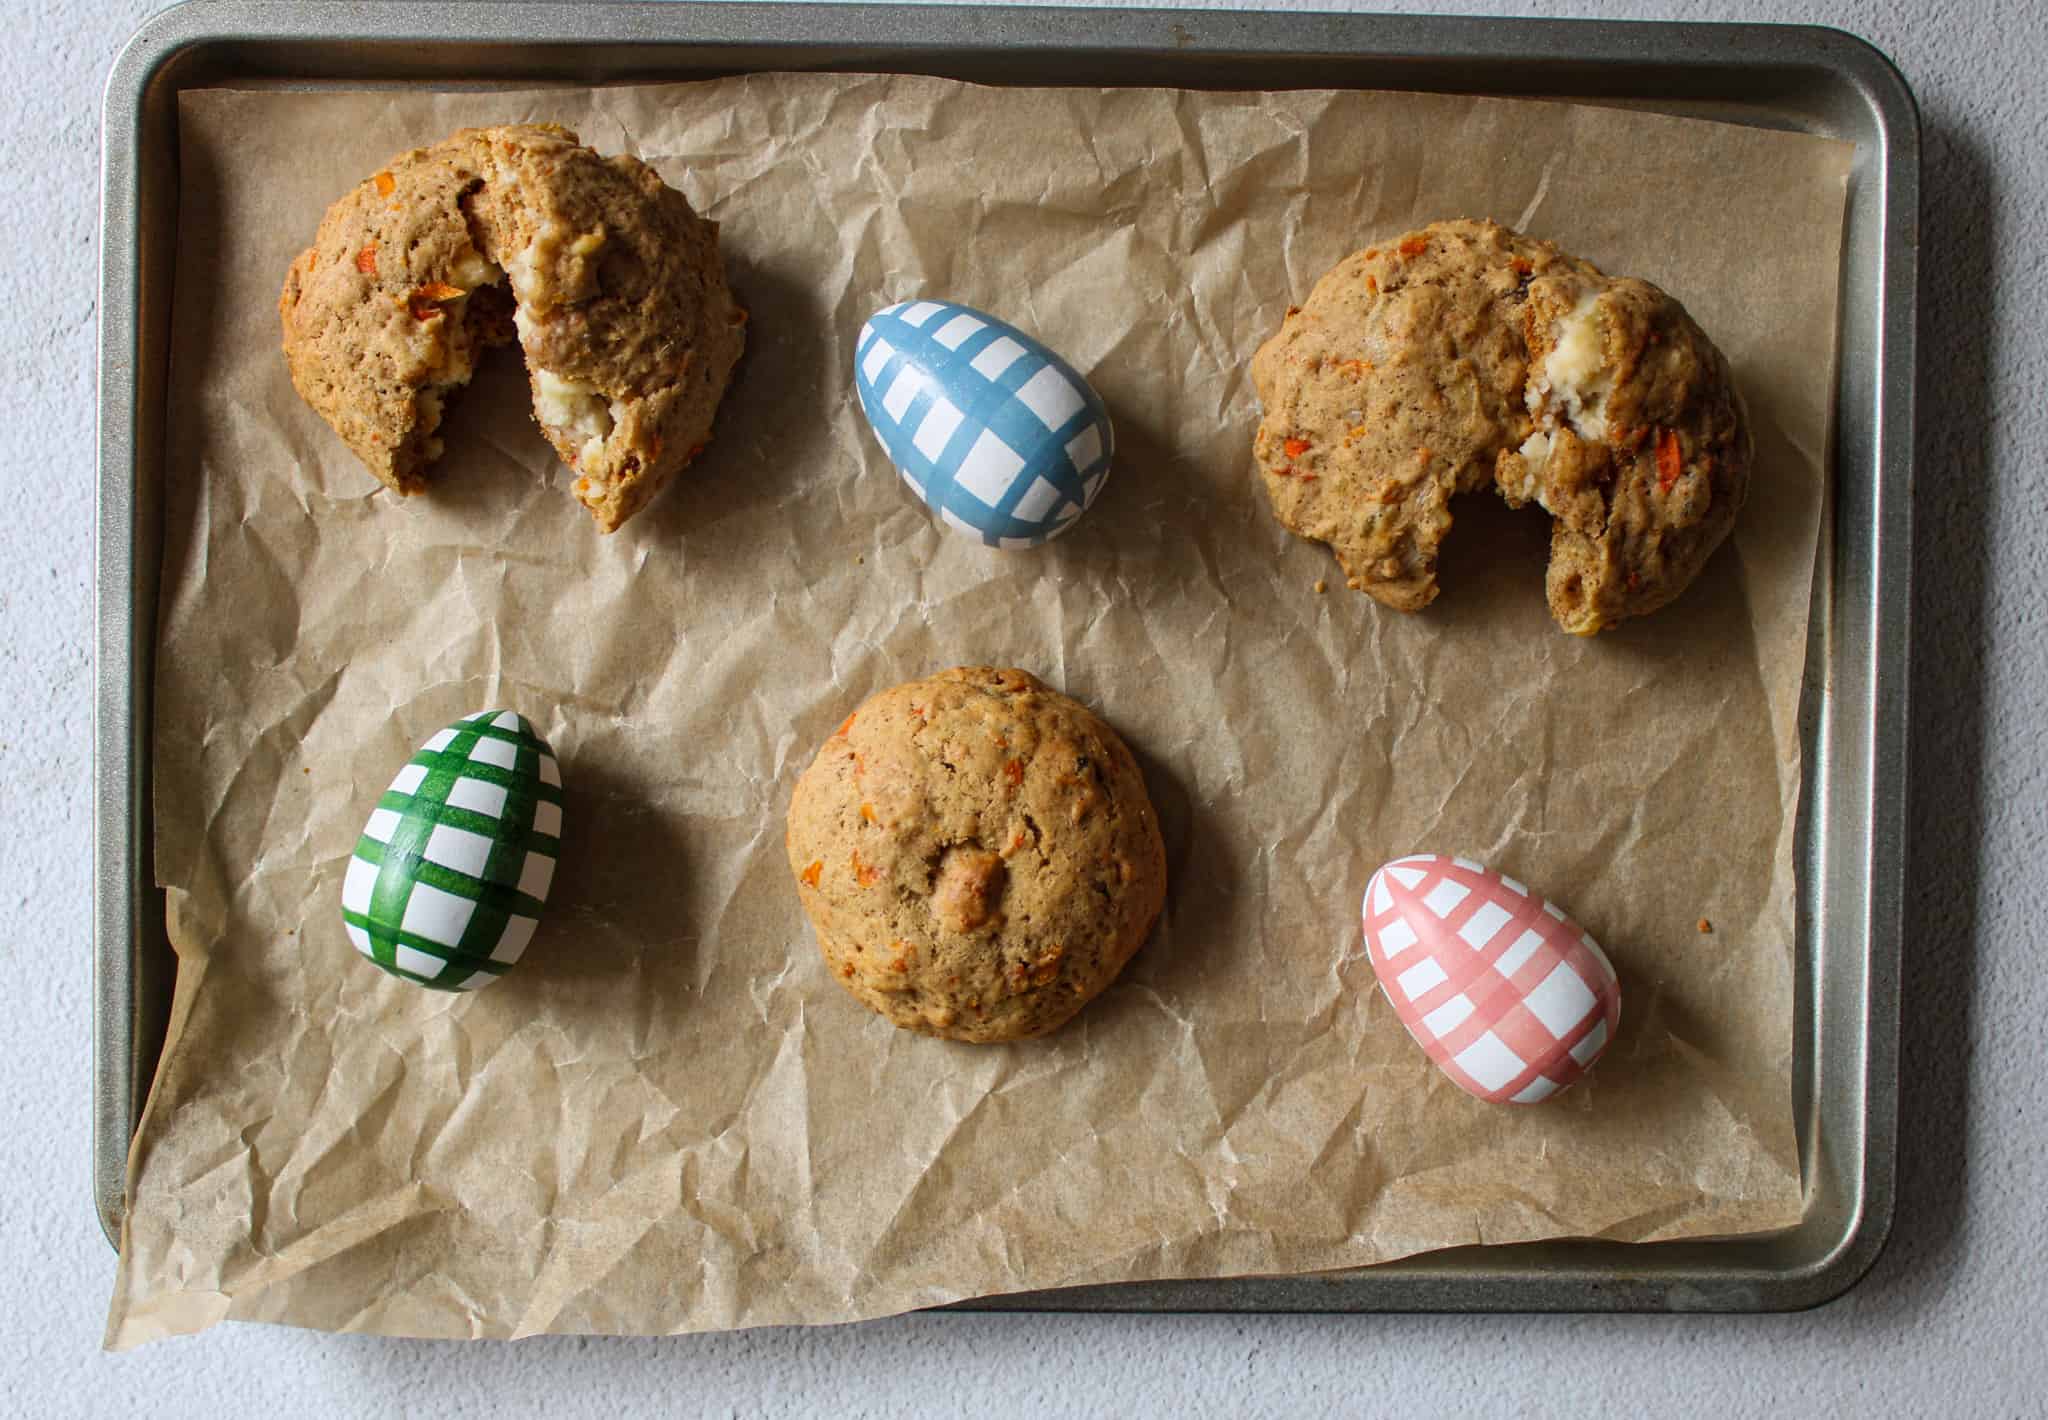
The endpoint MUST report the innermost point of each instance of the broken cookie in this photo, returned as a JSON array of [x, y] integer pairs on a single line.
[[1465, 356], [608, 279]]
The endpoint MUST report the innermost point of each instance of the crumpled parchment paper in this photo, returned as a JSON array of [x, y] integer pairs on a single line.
[[668, 1118]]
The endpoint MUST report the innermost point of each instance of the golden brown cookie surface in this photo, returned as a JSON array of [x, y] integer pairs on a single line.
[[977, 855], [385, 313], [1641, 450], [629, 330], [1466, 355], [616, 290]]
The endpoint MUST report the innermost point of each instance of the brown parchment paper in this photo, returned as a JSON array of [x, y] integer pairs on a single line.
[[668, 1118]]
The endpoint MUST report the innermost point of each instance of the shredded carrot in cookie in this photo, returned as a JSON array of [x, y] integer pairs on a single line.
[[1295, 447], [1670, 459], [425, 301], [1413, 246], [384, 184], [810, 874], [366, 259], [1014, 772]]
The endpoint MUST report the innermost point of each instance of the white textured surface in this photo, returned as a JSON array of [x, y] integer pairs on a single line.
[[1948, 1322]]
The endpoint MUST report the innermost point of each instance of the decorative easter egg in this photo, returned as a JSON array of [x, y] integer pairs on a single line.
[[1500, 987], [450, 875], [993, 430]]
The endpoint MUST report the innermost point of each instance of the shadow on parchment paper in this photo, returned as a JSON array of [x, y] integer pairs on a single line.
[[1495, 554], [1198, 876], [1492, 564], [1954, 512], [490, 422], [753, 456], [617, 911], [1492, 555], [1142, 468]]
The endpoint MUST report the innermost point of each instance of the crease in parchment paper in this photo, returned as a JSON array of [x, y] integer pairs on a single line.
[[668, 1118]]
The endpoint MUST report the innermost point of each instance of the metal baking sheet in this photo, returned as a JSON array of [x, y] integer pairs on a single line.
[[1853, 714]]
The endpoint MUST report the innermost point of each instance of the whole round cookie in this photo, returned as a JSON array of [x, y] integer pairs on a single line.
[[617, 296], [977, 855], [1466, 355]]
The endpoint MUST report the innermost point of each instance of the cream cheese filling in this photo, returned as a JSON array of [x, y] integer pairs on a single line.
[[576, 411], [471, 271], [1535, 452], [1574, 374]]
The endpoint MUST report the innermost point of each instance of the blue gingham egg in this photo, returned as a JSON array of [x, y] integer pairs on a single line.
[[994, 431]]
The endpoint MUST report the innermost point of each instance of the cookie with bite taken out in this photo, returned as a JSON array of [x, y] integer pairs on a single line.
[[604, 274], [1467, 356]]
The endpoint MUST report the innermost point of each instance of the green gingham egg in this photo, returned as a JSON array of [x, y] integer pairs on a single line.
[[450, 875]]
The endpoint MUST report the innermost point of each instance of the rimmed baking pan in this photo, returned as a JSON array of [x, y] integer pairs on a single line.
[[1851, 826]]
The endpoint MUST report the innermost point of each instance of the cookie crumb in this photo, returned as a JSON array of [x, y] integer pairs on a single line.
[[1705, 926]]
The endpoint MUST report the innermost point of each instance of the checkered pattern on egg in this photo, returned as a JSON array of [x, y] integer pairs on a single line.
[[1499, 986], [449, 877], [999, 435]]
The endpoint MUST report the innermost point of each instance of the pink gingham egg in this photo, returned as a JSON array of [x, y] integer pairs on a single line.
[[1500, 987]]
